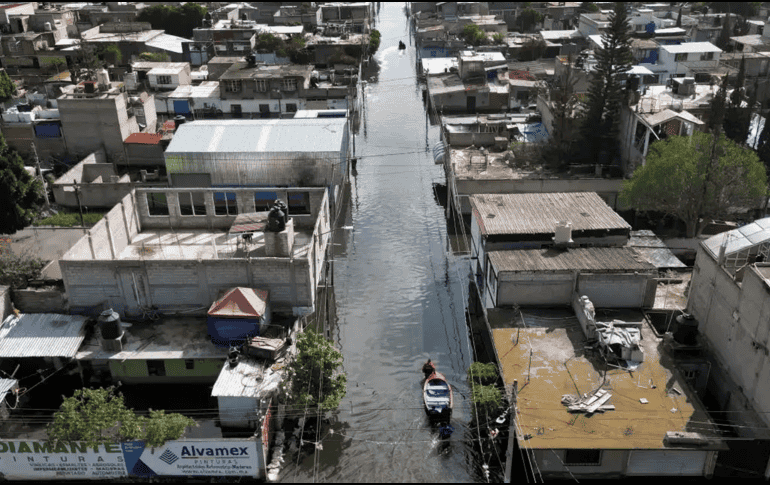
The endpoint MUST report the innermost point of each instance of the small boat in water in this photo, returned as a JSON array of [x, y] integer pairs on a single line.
[[401, 45], [437, 395]]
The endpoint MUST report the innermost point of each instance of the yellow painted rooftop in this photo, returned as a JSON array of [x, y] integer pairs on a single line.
[[556, 349]]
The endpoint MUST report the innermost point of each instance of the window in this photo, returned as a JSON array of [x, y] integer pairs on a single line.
[[156, 368], [289, 84], [299, 203], [264, 200], [163, 79], [235, 111], [291, 107], [156, 203], [225, 204], [707, 56], [189, 364], [262, 85], [583, 457], [680, 57], [233, 85]]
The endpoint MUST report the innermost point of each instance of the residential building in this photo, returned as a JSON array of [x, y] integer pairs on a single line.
[[249, 90], [135, 38], [34, 121], [146, 149], [689, 58], [158, 76], [292, 15], [223, 38], [353, 17], [175, 249], [468, 90], [261, 153], [102, 116], [650, 422], [593, 23]]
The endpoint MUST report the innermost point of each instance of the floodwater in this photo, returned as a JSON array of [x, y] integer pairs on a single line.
[[400, 296]]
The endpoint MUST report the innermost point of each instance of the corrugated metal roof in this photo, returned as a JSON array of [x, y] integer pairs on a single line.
[[551, 259], [41, 335], [652, 249], [266, 136], [250, 378], [744, 237], [144, 138], [538, 213], [6, 385]]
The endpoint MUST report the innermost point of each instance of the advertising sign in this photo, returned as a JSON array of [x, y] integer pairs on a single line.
[[35, 459], [193, 458], [38, 459]]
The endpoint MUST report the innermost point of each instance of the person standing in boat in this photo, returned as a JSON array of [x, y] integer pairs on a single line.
[[428, 368]]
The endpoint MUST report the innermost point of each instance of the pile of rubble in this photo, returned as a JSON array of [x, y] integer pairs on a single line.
[[597, 402]]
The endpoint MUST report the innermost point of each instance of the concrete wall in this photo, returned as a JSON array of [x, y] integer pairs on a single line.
[[134, 371], [735, 320], [607, 189], [615, 463], [139, 155], [92, 123], [39, 301], [20, 135], [93, 276], [5, 302]]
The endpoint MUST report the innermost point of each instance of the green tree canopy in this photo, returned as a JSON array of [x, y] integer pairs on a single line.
[[98, 416], [528, 18], [154, 56], [21, 194], [316, 379], [7, 86], [473, 35], [482, 373], [179, 21], [605, 95], [374, 41], [695, 179]]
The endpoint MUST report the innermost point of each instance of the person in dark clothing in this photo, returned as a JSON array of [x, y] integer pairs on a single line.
[[428, 368]]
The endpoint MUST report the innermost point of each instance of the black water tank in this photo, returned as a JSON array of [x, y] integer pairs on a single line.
[[276, 220], [686, 329], [178, 120], [109, 324]]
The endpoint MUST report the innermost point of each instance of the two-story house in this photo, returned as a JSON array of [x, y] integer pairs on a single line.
[[260, 91]]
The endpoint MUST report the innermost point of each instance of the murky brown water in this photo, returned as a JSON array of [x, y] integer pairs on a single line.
[[400, 296]]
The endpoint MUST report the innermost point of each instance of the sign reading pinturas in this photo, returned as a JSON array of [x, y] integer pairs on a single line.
[[38, 459], [73, 461]]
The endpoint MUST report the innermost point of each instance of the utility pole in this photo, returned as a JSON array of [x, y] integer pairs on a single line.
[[40, 174], [80, 206]]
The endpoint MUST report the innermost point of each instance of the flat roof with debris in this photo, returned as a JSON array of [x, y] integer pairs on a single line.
[[169, 338], [597, 259], [547, 356]]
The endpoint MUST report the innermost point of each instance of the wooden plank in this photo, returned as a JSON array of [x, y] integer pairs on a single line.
[[598, 403]]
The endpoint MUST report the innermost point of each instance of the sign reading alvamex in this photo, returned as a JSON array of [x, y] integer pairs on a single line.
[[37, 459]]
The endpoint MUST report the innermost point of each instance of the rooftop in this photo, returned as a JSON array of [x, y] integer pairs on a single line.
[[598, 259], [250, 378], [206, 89], [659, 97], [745, 237], [537, 213], [546, 355], [561, 34], [169, 338], [41, 335], [194, 244], [754, 40], [690, 47], [259, 136], [242, 70], [144, 138], [649, 246]]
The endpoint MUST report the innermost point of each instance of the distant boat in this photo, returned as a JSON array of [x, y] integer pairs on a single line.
[[401, 45], [437, 395]]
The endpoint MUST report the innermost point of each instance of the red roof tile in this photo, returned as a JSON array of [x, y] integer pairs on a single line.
[[144, 138]]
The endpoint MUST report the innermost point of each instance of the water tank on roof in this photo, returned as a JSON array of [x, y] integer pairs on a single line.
[[686, 330], [47, 26], [178, 120], [109, 324], [103, 78]]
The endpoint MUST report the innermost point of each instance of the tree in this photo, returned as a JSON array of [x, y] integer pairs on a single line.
[[21, 194], [179, 21], [98, 416], [605, 94], [7, 86], [717, 109], [110, 54], [589, 7], [763, 144], [374, 42], [473, 35], [154, 57], [679, 18], [723, 41], [696, 178], [528, 18], [17, 269], [315, 378], [565, 109], [482, 373]]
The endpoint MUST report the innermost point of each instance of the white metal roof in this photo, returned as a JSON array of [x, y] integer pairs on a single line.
[[689, 47], [41, 335], [560, 34], [167, 42], [254, 136], [744, 237], [250, 378]]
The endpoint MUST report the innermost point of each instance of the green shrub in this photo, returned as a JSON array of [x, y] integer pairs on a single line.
[[487, 399], [482, 373], [69, 219]]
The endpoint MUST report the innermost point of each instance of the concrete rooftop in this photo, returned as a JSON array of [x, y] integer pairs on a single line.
[[555, 345], [193, 244]]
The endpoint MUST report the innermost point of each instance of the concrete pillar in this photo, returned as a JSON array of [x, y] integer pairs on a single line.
[[109, 237], [646, 142], [172, 199], [280, 244], [208, 200], [245, 201]]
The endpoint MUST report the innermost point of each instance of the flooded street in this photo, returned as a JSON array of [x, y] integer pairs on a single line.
[[400, 296]]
